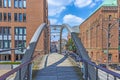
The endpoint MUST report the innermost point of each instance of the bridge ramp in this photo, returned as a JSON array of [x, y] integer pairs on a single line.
[[58, 67]]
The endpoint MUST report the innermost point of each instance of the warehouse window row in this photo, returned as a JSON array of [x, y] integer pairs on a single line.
[[18, 17], [17, 3]]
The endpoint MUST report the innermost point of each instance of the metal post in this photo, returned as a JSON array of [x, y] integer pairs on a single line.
[[20, 74], [115, 78], [107, 61], [29, 76], [86, 71], [96, 73]]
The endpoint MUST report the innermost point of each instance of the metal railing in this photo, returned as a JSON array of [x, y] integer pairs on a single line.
[[18, 69], [11, 49], [101, 73], [24, 71]]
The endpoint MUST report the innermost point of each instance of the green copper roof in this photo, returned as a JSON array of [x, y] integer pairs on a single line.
[[105, 3], [109, 3]]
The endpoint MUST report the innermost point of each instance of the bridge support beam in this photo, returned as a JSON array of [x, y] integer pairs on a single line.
[[29, 77]]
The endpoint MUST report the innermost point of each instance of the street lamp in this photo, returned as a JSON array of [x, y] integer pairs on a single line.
[[108, 36]]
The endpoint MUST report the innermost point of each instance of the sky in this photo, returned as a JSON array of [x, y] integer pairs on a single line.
[[72, 12]]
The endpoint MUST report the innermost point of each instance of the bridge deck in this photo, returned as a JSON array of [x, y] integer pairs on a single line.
[[58, 67]]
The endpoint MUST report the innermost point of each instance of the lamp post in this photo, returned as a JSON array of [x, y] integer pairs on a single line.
[[108, 36]]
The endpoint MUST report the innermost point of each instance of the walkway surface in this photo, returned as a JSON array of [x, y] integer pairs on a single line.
[[58, 67]]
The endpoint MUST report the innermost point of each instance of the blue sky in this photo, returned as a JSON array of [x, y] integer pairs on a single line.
[[72, 12]]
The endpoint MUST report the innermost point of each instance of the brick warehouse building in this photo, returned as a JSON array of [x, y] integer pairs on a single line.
[[19, 19], [93, 32]]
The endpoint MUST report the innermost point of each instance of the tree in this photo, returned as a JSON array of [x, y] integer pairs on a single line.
[[70, 45]]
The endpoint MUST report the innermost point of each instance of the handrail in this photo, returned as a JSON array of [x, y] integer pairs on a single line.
[[27, 58], [101, 68], [30, 49], [5, 50], [4, 76]]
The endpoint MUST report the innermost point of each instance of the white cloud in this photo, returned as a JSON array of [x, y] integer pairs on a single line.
[[53, 21], [59, 2], [82, 3], [56, 7], [72, 20], [92, 5], [55, 10]]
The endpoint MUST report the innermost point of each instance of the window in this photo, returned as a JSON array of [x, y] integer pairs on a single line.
[[1, 44], [16, 31], [16, 3], [9, 16], [6, 44], [20, 31], [20, 17], [24, 17], [0, 3], [15, 17], [20, 3], [9, 3], [110, 17], [5, 17], [24, 3], [24, 31], [1, 30], [20, 44], [0, 16], [109, 57], [6, 30], [5, 3]]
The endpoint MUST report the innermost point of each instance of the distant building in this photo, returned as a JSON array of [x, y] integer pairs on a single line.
[[93, 34], [63, 44], [19, 20], [69, 36]]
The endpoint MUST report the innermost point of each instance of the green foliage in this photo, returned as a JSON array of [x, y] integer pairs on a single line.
[[70, 45], [10, 62]]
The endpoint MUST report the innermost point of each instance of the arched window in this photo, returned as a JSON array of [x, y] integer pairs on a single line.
[[110, 17]]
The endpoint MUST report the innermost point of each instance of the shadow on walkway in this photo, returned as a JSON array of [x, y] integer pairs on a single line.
[[54, 72]]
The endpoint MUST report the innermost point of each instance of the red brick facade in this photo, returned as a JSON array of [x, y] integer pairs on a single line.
[[93, 34], [36, 13]]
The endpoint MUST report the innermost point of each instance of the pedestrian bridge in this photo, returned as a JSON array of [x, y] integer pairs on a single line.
[[58, 67], [55, 66]]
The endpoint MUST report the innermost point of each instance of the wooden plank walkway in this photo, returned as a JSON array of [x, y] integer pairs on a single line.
[[58, 67]]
